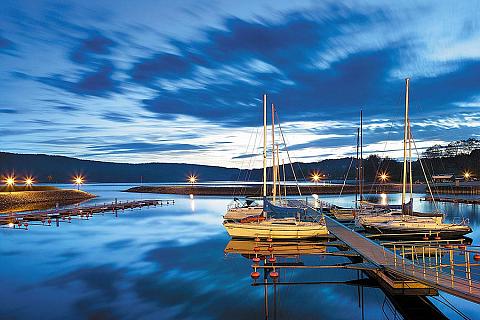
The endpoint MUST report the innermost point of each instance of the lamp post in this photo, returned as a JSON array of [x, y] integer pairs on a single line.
[[78, 180], [10, 182], [315, 177], [29, 182], [467, 175]]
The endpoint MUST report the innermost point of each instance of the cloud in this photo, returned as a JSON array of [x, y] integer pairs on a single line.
[[99, 81], [132, 147], [8, 111]]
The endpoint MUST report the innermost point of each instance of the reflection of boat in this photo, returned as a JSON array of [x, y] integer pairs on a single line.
[[277, 219], [283, 248]]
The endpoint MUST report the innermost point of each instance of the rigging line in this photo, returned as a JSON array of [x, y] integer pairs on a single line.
[[298, 164], [346, 177], [424, 173], [252, 160], [288, 153], [380, 166], [243, 160]]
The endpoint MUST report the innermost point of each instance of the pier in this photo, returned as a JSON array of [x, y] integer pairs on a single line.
[[45, 217], [437, 275], [452, 200]]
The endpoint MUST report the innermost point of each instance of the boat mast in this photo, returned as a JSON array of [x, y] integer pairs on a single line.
[[404, 184], [274, 169], [356, 172], [277, 173], [361, 157], [264, 146], [410, 159], [284, 179]]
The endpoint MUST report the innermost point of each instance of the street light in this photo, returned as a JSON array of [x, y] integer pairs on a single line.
[[78, 180], [29, 181], [192, 179], [383, 176], [315, 177], [467, 175], [10, 181]]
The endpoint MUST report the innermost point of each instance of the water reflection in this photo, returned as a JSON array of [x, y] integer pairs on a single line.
[[168, 262], [272, 263]]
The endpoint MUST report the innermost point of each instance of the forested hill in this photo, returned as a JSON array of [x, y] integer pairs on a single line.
[[48, 168], [57, 169]]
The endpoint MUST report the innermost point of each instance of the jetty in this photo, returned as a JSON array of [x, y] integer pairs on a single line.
[[45, 217], [452, 199], [246, 189], [437, 275]]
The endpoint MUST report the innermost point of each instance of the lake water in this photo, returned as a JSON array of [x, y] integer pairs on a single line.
[[169, 263]]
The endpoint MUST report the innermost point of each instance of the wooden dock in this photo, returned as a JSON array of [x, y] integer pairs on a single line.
[[45, 217], [452, 200], [440, 277]]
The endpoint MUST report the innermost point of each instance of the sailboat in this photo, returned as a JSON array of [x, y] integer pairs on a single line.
[[406, 221], [277, 220]]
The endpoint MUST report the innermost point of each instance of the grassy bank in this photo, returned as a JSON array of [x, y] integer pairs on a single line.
[[34, 200]]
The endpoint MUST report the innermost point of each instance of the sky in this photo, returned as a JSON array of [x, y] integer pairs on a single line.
[[182, 81]]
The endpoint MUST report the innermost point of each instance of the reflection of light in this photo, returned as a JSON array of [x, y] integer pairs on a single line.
[[315, 196], [192, 204], [191, 196], [11, 225], [383, 198]]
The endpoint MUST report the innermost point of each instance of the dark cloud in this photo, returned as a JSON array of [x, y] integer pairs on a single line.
[[8, 111], [294, 48], [146, 147], [99, 81], [117, 117], [6, 46], [91, 47]]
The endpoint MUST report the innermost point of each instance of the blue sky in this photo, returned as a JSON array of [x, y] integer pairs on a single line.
[[181, 81]]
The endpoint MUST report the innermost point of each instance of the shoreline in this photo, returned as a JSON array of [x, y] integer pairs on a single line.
[[255, 190], [17, 201]]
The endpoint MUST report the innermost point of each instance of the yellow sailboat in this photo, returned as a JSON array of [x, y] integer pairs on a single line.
[[262, 226]]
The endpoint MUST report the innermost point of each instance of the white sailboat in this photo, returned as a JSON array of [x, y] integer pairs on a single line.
[[406, 221], [263, 226]]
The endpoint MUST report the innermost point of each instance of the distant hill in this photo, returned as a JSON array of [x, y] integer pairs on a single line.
[[58, 169]]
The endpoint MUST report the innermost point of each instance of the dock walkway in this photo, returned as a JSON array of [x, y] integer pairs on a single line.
[[391, 262], [46, 216]]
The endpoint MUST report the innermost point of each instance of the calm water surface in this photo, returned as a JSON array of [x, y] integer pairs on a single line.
[[169, 262]]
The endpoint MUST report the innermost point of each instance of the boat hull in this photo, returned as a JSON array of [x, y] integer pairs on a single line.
[[417, 233], [275, 231]]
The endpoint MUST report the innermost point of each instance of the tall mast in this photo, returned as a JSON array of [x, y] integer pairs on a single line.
[[361, 156], [284, 179], [264, 145], [356, 172], [410, 158], [274, 170], [405, 137], [277, 172]]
